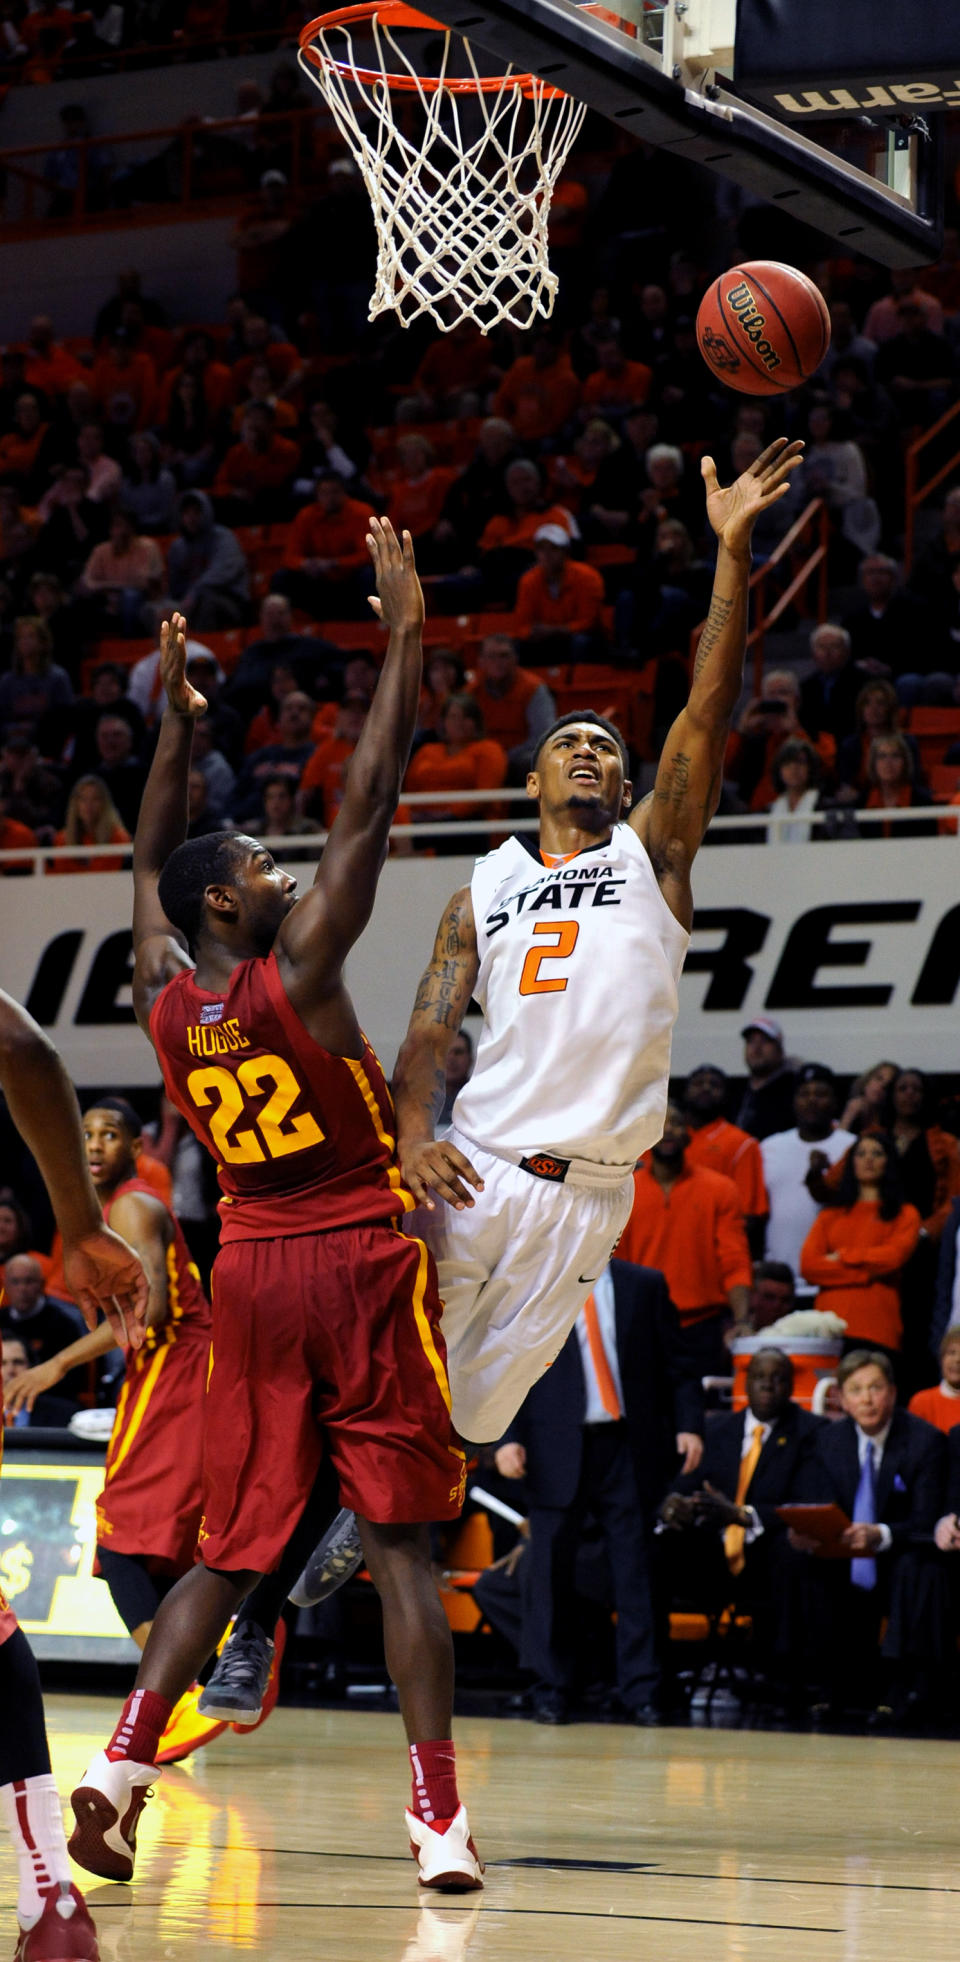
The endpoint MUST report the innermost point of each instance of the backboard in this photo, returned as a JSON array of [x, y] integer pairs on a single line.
[[864, 168]]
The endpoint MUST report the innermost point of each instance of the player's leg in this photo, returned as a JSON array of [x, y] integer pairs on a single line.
[[51, 1912], [133, 1590], [113, 1791], [418, 1647]]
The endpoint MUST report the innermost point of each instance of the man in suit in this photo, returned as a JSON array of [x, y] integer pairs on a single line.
[[887, 1471], [599, 1435], [724, 1542], [828, 696]]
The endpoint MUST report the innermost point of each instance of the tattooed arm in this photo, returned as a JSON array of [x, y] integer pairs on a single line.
[[672, 821], [430, 1165]]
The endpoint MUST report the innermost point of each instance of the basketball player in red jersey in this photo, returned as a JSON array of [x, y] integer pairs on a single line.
[[148, 1514], [325, 1316], [103, 1273]]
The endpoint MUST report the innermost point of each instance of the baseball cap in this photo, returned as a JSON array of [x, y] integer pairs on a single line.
[[815, 1073], [766, 1026], [551, 535]]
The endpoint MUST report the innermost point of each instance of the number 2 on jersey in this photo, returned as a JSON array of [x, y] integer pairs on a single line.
[[244, 1147], [563, 934]]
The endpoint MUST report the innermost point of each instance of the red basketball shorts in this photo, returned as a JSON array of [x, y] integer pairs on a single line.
[[327, 1341], [151, 1498]]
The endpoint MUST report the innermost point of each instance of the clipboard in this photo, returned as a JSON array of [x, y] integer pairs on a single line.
[[825, 1524]]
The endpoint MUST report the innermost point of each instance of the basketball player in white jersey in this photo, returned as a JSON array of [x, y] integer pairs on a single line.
[[574, 952]]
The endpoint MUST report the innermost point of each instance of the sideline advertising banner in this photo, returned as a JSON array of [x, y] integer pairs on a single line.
[[853, 945]]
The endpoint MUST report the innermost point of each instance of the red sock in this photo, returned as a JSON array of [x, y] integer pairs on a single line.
[[142, 1724], [435, 1797]]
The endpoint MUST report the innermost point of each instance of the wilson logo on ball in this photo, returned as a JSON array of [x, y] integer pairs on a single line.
[[752, 323]]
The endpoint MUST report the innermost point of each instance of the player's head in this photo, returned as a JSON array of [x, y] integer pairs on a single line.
[[580, 769], [226, 888], [112, 1137]]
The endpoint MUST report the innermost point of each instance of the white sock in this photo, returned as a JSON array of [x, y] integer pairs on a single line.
[[30, 1809]]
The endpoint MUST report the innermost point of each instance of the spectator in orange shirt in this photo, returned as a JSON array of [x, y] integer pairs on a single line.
[[941, 1405], [766, 723], [723, 1147], [465, 759], [539, 392], [855, 1252], [559, 601], [324, 775], [252, 485], [26, 450], [516, 706], [92, 819], [214, 379], [506, 542], [14, 837], [260, 388], [327, 561], [122, 576], [455, 364], [124, 382], [418, 493], [443, 676], [261, 343], [49, 366], [687, 1221], [616, 385]]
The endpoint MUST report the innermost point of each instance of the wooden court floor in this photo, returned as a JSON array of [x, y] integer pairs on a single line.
[[602, 1843]]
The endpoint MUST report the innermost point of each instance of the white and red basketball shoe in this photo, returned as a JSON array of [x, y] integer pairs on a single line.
[[107, 1805], [448, 1860], [61, 1932]]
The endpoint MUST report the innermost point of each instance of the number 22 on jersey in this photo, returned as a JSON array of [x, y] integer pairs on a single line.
[[229, 1093], [558, 939]]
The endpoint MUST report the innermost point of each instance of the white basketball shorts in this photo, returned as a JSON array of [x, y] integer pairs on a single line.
[[515, 1269]]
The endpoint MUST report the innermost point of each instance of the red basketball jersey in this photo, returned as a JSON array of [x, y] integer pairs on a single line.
[[187, 1305], [304, 1141]]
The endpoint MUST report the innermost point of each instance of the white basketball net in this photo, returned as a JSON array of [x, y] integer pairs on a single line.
[[462, 204]]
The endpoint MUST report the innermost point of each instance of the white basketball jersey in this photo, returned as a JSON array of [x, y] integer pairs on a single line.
[[579, 965]]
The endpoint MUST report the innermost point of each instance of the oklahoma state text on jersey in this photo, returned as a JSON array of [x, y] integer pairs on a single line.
[[304, 1141]]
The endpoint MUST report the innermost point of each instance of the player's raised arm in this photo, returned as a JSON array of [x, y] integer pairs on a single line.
[[429, 1164], [673, 819], [101, 1270], [159, 947], [322, 927]]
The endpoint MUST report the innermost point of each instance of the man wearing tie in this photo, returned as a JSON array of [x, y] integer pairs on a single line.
[[886, 1470], [725, 1542], [599, 1434]]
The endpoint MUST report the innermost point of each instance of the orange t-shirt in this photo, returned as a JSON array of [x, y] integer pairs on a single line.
[[325, 771], [538, 401], [694, 1234], [575, 607], [54, 372], [137, 378], [216, 388], [723, 1147], [111, 862], [862, 1284], [314, 535], [505, 716], [619, 391], [15, 837], [937, 1409], [19, 453], [250, 470], [517, 529], [417, 505], [477, 766]]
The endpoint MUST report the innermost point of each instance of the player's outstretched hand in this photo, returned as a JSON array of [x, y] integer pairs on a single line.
[[24, 1390], [101, 1271], [400, 601], [438, 1167], [733, 512], [183, 699]]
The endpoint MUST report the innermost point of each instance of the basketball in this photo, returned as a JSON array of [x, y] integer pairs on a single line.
[[763, 328]]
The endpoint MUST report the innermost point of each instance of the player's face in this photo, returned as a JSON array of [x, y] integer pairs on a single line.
[[110, 1151], [580, 771], [265, 894]]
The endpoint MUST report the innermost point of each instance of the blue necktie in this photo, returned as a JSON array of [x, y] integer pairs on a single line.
[[863, 1570]]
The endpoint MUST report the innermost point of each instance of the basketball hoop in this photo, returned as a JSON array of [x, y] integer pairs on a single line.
[[461, 188]]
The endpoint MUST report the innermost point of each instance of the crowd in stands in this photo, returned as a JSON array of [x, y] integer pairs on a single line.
[[52, 40], [551, 484]]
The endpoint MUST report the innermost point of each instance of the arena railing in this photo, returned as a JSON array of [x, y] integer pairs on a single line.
[[916, 493], [808, 540], [25, 186], [945, 816]]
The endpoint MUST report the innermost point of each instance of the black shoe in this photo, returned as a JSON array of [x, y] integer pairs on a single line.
[[550, 1706], [648, 1716], [333, 1560]]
